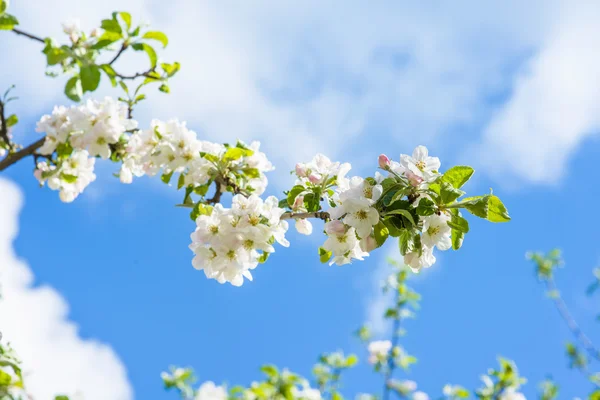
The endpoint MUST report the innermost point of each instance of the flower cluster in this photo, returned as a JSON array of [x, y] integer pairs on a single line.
[[170, 147], [77, 134], [379, 351], [229, 242]]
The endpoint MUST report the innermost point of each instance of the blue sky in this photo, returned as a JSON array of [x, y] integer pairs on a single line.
[[516, 100]]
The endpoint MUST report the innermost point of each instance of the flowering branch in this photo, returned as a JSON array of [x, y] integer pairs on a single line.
[[17, 156]]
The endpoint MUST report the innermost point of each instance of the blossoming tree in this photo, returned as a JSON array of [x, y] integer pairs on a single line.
[[408, 199]]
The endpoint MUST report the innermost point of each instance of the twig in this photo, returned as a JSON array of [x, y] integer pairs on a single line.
[[27, 151], [29, 35], [318, 214], [4, 127], [121, 50], [571, 323]]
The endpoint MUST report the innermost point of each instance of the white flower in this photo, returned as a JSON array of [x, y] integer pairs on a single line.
[[406, 386], [511, 394], [344, 246], [362, 220], [73, 29], [70, 177], [306, 393], [304, 226], [379, 351], [228, 242], [416, 262], [420, 396], [437, 232], [210, 391], [421, 164]]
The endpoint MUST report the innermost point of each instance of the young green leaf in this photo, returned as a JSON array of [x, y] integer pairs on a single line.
[[90, 78], [73, 89], [458, 176], [449, 193], [497, 212], [381, 233], [324, 255], [156, 35], [7, 22], [149, 50]]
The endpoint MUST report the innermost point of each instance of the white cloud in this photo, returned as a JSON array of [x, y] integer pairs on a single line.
[[56, 359], [555, 104], [314, 76]]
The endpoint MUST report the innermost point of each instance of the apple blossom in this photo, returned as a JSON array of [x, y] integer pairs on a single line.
[[209, 391], [421, 164], [379, 350], [436, 231]]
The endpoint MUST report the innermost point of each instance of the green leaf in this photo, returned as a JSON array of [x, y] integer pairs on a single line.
[[166, 178], [270, 370], [68, 178], [477, 205], [170, 69], [390, 192], [111, 73], [459, 227], [100, 44], [12, 120], [126, 18], [426, 207], [110, 37], [263, 257], [61, 398], [404, 241], [458, 223], [292, 194], [156, 35], [54, 55], [381, 233], [5, 379], [149, 50], [90, 78], [73, 89], [164, 88], [3, 6], [458, 176], [112, 25], [180, 181], [497, 212], [7, 22], [200, 209], [324, 255], [405, 213], [235, 153], [351, 360], [449, 193], [251, 173]]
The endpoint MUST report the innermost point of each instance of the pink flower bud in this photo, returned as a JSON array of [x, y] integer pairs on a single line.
[[300, 170], [314, 178], [335, 227], [299, 202], [413, 179], [384, 161]]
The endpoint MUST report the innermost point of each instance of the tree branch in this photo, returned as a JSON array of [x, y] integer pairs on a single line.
[[121, 50], [571, 323], [318, 214], [27, 151], [28, 35], [4, 127]]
